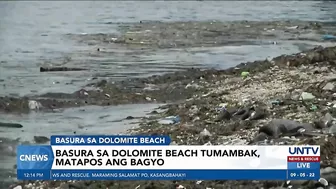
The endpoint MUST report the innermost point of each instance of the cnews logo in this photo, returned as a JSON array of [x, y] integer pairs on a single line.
[[33, 157]]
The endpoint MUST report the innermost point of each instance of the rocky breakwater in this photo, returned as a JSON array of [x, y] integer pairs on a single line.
[[290, 99]]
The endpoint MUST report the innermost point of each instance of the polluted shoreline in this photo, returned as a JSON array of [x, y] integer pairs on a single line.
[[158, 36], [287, 100]]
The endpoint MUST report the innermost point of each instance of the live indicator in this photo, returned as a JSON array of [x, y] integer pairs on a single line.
[[303, 165]]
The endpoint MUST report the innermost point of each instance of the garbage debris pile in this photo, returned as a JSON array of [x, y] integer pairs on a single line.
[[288, 100], [291, 104]]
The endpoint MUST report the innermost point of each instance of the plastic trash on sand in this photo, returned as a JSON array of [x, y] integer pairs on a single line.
[[180, 187], [170, 120], [277, 102], [245, 74], [18, 187], [323, 181], [221, 106], [329, 37], [34, 105], [307, 96], [313, 108], [199, 182], [205, 132]]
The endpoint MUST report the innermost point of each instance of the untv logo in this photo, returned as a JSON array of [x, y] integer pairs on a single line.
[[306, 150]]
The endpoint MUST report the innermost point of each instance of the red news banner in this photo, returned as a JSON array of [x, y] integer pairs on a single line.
[[303, 159]]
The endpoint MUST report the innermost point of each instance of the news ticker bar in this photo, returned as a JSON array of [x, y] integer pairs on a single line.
[[152, 158], [168, 174]]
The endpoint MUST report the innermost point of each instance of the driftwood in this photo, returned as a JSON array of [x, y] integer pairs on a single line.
[[10, 125], [59, 69]]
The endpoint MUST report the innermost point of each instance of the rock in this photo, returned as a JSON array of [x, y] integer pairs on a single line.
[[332, 129], [259, 137], [30, 185], [8, 146], [326, 121], [101, 83], [328, 170], [329, 174], [320, 70], [232, 110], [154, 112], [64, 186], [41, 139], [329, 87], [129, 117], [319, 125], [223, 115], [77, 185]]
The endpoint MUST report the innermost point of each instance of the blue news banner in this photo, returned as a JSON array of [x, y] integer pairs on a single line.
[[35, 163]]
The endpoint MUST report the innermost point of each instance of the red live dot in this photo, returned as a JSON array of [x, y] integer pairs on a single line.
[[303, 158]]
